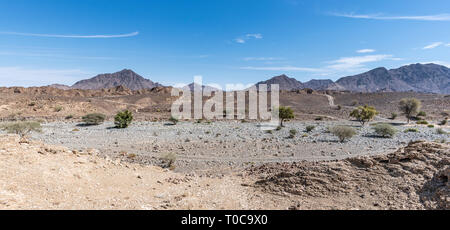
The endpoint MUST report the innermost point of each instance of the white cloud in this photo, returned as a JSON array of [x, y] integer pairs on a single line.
[[247, 37], [444, 63], [350, 64], [363, 51], [262, 59], [433, 45], [436, 17], [19, 76], [448, 45], [282, 68], [340, 66], [71, 36]]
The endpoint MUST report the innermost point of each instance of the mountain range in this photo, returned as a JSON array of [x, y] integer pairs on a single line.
[[426, 78]]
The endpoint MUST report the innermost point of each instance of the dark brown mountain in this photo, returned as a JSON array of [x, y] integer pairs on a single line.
[[428, 78], [284, 82], [323, 85], [126, 78]]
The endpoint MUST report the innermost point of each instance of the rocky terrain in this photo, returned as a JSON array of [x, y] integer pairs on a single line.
[[223, 147], [34, 175]]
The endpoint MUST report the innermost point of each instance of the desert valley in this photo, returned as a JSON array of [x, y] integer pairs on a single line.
[[377, 140]]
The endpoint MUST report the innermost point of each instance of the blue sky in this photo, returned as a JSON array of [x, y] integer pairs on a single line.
[[225, 41]]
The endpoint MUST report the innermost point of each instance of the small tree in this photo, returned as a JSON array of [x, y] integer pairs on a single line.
[[385, 130], [364, 114], [409, 107], [93, 119], [343, 132], [285, 113], [123, 119], [22, 128], [292, 133]]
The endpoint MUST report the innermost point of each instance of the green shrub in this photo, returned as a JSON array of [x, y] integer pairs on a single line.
[[430, 126], [173, 120], [292, 133], [440, 131], [58, 108], [93, 119], [343, 132], [364, 114], [22, 128], [393, 116], [385, 130], [169, 160], [411, 130], [318, 118], [32, 104], [422, 122], [285, 113], [278, 128], [269, 131], [69, 117], [310, 128], [409, 107], [421, 114], [123, 119], [354, 103]]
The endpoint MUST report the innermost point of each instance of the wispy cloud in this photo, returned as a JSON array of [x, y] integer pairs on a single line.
[[20, 76], [344, 65], [350, 64], [71, 36], [436, 17], [363, 51], [247, 37], [433, 45], [262, 58], [52, 55], [282, 68], [448, 45]]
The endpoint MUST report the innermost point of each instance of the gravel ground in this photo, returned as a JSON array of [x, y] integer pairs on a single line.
[[223, 146]]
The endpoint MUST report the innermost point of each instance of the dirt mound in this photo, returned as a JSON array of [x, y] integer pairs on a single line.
[[413, 177]]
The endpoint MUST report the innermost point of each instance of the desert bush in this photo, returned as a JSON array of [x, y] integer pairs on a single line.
[[310, 128], [169, 160], [285, 113], [444, 122], [68, 117], [364, 114], [430, 126], [278, 128], [123, 119], [93, 119], [173, 120], [385, 130], [22, 128], [343, 132], [354, 103], [32, 103], [411, 130], [421, 114], [440, 131], [269, 131], [58, 108], [393, 116], [318, 118], [409, 107], [422, 122], [292, 133]]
